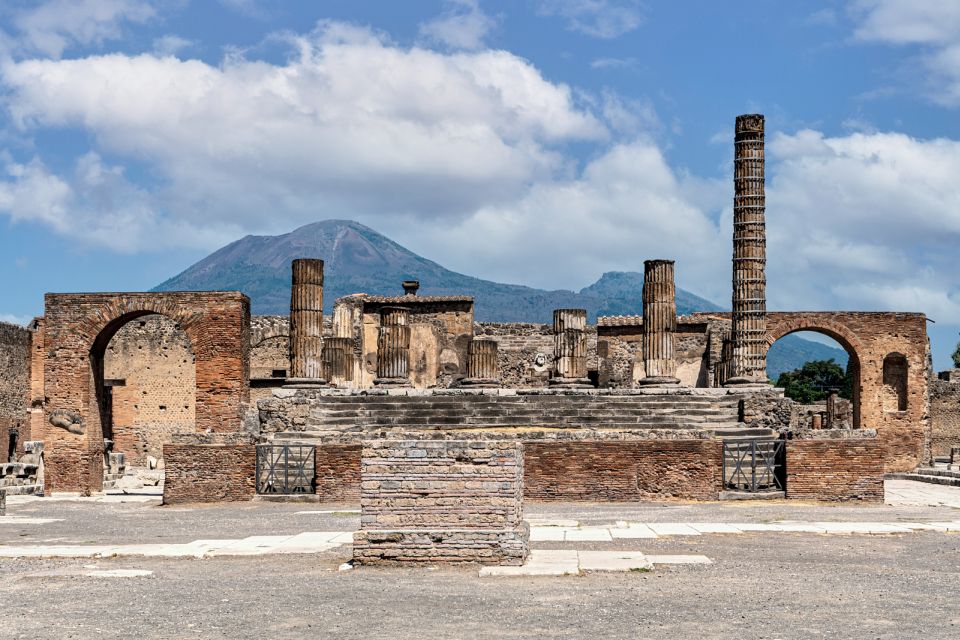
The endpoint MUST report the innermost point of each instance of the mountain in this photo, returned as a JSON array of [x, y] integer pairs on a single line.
[[357, 259]]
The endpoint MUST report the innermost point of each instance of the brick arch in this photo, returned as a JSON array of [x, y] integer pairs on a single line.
[[78, 328], [783, 324]]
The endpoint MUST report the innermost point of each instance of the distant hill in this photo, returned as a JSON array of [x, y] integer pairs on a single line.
[[357, 259]]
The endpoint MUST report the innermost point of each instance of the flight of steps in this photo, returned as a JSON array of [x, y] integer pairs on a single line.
[[945, 475], [715, 414]]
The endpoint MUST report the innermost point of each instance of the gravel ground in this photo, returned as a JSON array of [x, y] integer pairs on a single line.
[[760, 586]]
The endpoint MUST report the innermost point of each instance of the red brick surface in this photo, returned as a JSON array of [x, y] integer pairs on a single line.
[[835, 470], [209, 473], [338, 472], [623, 470]]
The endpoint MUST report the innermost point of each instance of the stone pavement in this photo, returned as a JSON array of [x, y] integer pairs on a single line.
[[913, 493]]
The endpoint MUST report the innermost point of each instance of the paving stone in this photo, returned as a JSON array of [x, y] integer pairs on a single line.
[[537, 522], [541, 562], [588, 534], [715, 527], [678, 559], [634, 531], [614, 561], [119, 573], [546, 534], [673, 529]]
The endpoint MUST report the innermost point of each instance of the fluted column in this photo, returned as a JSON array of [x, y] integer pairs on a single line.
[[393, 347], [659, 323], [482, 366], [570, 347], [749, 319], [338, 360], [306, 322]]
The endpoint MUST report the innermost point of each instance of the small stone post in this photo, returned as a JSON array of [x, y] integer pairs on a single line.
[[338, 360], [306, 323], [659, 323], [393, 347], [831, 419], [570, 348], [482, 367], [749, 318]]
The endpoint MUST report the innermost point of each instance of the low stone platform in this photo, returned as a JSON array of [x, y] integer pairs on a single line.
[[451, 501]]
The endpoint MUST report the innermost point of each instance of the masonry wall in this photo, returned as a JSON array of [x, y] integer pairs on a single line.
[[623, 471], [944, 416], [209, 472], [835, 470], [525, 351], [151, 365], [338, 472], [15, 355]]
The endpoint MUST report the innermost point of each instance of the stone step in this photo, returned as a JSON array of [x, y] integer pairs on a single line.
[[923, 477], [946, 473], [518, 411]]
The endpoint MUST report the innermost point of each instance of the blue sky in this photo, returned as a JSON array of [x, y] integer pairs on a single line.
[[539, 141]]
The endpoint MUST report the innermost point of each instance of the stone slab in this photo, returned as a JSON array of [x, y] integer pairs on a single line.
[[614, 561]]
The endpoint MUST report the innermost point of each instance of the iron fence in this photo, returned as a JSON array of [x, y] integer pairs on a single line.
[[754, 465], [286, 469]]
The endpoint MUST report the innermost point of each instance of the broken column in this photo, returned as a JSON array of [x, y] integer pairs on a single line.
[[749, 318], [570, 348], [831, 415], [338, 360], [306, 322], [482, 366], [659, 323], [451, 501], [393, 347]]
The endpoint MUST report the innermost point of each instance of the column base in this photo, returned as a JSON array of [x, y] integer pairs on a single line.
[[304, 383], [480, 383], [659, 381], [746, 381], [392, 382], [571, 383]]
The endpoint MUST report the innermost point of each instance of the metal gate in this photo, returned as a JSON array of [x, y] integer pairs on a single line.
[[753, 465], [286, 469]]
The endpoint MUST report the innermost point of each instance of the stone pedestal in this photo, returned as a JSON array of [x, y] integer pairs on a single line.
[[393, 348], [659, 324], [338, 360], [570, 348], [306, 323], [749, 317], [482, 366], [452, 501]]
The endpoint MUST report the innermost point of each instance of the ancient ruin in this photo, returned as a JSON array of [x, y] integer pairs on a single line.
[[391, 392]]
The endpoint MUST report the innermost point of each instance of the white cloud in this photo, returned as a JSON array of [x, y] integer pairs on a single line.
[[605, 19], [170, 45], [14, 319], [933, 25], [352, 126], [463, 25], [52, 26]]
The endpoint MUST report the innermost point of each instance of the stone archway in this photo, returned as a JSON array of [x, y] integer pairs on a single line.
[[778, 327], [77, 329]]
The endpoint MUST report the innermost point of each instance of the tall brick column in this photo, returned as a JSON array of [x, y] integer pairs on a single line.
[[659, 323], [393, 347], [338, 360], [749, 319], [482, 366], [570, 348], [306, 322]]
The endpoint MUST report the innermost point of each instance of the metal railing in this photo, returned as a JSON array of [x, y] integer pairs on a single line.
[[753, 465], [286, 469]]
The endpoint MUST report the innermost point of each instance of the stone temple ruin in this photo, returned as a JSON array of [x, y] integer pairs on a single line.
[[410, 406]]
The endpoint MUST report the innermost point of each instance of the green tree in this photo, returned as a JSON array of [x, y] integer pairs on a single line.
[[814, 380], [956, 356]]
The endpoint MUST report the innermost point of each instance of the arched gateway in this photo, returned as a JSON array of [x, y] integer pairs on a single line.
[[78, 328]]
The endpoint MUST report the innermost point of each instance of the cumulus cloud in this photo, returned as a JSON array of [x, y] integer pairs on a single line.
[[50, 27], [605, 19], [351, 125], [463, 25], [932, 25]]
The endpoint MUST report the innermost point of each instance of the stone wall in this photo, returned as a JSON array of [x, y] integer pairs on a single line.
[[149, 366], [14, 386], [623, 471], [945, 414], [209, 472], [835, 469], [338, 472], [441, 501], [525, 351]]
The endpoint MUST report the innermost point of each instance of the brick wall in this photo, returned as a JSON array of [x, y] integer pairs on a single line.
[[835, 469], [14, 385], [209, 472], [944, 415], [338, 472], [623, 470]]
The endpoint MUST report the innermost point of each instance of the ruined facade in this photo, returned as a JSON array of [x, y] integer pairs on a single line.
[[15, 362]]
